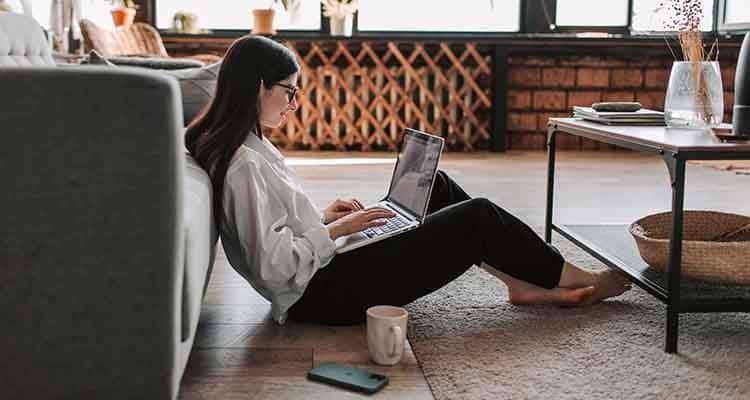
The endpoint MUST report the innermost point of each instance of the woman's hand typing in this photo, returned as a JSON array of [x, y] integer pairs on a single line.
[[358, 221], [340, 208]]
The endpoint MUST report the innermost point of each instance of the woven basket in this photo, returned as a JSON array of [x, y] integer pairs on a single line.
[[703, 257]]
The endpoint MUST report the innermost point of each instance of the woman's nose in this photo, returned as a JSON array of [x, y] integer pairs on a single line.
[[293, 104]]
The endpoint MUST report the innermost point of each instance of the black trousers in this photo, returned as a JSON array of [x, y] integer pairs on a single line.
[[458, 232]]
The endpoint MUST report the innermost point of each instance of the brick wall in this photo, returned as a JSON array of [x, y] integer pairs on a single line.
[[547, 80], [540, 87]]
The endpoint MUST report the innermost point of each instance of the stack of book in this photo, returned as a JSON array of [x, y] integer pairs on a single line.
[[641, 117]]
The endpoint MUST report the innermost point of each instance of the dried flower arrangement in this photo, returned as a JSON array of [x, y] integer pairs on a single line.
[[684, 17]]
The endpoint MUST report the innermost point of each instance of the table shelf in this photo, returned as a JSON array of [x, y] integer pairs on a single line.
[[614, 246]]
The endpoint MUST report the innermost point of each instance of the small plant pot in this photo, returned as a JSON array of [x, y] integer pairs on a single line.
[[263, 22], [341, 26], [123, 17]]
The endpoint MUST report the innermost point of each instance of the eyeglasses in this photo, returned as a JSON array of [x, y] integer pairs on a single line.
[[291, 91]]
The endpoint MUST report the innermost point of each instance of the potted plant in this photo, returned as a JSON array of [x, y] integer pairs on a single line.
[[185, 22], [263, 18], [341, 15], [124, 14]]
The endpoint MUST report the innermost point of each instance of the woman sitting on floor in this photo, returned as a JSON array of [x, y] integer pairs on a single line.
[[275, 237]]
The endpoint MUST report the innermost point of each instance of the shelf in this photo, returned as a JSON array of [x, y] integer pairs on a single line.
[[613, 245]]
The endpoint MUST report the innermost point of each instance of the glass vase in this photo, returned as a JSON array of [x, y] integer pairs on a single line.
[[695, 95]]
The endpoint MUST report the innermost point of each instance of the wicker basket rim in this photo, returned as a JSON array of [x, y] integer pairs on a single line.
[[686, 212], [636, 223]]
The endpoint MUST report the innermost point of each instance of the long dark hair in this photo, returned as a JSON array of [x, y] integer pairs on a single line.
[[217, 132]]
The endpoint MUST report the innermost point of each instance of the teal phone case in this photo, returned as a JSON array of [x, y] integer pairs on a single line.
[[348, 377]]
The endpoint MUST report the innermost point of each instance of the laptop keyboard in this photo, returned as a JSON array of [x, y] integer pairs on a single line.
[[393, 224]]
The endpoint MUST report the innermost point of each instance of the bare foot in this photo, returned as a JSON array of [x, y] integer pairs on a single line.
[[557, 296], [587, 288], [608, 283]]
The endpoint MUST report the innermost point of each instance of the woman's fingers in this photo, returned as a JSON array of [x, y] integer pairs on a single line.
[[348, 204], [375, 222], [358, 204], [341, 205], [384, 214], [377, 209], [340, 214]]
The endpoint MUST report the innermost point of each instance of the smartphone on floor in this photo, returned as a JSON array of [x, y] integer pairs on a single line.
[[348, 377]]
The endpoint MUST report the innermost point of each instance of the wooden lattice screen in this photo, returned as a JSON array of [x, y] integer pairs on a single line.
[[361, 95]]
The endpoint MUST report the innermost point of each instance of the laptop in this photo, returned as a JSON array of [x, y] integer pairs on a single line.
[[408, 193]]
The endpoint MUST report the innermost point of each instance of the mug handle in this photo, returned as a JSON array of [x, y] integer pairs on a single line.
[[398, 337]]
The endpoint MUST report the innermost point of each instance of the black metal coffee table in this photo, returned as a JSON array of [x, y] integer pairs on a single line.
[[613, 245]]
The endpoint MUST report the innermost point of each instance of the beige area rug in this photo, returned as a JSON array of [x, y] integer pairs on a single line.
[[471, 344]]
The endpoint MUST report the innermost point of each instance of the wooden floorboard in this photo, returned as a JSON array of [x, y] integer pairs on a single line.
[[240, 353]]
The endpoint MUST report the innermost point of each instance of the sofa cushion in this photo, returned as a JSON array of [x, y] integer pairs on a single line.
[[155, 62], [200, 249], [198, 86], [95, 58]]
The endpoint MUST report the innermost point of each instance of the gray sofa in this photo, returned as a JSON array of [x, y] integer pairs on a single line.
[[106, 233]]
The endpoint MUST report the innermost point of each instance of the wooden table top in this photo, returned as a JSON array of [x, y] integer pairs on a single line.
[[658, 137]]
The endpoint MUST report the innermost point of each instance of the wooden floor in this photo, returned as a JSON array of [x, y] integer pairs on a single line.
[[239, 353]]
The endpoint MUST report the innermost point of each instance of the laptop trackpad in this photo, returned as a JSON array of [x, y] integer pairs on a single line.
[[350, 239]]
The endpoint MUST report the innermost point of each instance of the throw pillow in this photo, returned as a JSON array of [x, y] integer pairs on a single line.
[[198, 86], [97, 59], [155, 62]]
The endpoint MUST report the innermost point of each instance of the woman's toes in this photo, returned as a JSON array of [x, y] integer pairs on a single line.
[[609, 284]]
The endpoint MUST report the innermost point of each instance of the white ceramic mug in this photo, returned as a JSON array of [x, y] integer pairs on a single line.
[[386, 333]]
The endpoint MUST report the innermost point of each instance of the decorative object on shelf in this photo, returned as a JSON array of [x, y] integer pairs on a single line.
[[741, 110], [695, 94], [263, 18], [341, 15], [124, 13], [185, 22], [640, 117], [715, 245]]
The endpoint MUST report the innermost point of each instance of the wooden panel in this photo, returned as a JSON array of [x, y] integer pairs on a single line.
[[363, 95]]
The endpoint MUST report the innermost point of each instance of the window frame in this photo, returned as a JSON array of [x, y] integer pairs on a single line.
[[532, 24], [611, 29], [438, 33], [720, 24], [324, 26]]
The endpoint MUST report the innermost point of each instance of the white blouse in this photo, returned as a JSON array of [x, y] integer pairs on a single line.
[[271, 231]]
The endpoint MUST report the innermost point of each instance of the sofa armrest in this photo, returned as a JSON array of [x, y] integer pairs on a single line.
[[90, 233]]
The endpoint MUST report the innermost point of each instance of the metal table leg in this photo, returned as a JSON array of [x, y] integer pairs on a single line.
[[550, 182], [676, 167]]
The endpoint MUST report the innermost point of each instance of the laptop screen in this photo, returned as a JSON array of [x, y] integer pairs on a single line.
[[415, 171]]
